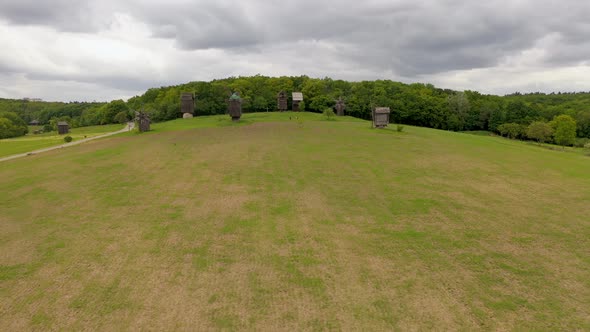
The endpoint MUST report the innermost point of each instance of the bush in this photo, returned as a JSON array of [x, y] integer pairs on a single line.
[[68, 139], [581, 142], [47, 128], [587, 146], [511, 130], [329, 114], [539, 131], [399, 128]]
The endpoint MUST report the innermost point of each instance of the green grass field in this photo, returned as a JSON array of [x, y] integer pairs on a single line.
[[32, 142], [301, 224]]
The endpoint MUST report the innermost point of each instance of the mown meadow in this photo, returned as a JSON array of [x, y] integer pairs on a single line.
[[291, 222]]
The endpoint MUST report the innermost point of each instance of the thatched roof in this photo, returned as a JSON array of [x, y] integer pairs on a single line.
[[382, 110], [297, 96], [62, 123]]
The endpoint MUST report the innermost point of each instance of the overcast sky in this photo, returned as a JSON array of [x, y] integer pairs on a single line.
[[109, 49]]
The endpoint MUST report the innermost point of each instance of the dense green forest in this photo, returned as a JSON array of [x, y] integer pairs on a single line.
[[11, 125], [413, 104]]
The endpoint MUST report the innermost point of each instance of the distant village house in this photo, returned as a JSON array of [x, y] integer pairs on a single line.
[[63, 127]]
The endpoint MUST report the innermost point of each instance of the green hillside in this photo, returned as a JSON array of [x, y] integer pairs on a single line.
[[291, 222]]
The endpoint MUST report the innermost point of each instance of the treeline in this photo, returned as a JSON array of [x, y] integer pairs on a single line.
[[413, 104], [79, 114], [47, 114]]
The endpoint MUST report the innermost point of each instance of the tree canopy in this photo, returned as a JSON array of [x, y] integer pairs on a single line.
[[565, 129], [413, 104], [11, 125], [539, 131]]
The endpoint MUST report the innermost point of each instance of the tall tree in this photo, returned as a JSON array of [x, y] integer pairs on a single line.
[[458, 111]]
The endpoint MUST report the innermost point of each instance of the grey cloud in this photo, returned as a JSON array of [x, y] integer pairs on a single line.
[[407, 37], [63, 15], [398, 39], [410, 38], [202, 26], [120, 81]]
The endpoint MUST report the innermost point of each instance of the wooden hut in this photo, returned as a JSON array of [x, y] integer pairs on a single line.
[[340, 107], [187, 104], [282, 101], [143, 121], [34, 123], [381, 117], [297, 98], [63, 127], [234, 107]]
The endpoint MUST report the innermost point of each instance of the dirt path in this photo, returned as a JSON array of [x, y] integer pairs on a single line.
[[128, 127]]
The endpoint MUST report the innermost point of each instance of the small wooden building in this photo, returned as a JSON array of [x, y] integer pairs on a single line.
[[143, 121], [381, 117], [340, 107], [282, 101], [234, 107], [34, 123], [187, 104], [297, 98], [63, 127]]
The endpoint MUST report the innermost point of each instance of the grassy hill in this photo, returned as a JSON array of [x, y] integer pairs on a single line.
[[284, 223]]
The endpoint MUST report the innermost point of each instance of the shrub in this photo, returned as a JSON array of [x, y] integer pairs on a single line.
[[68, 139], [329, 114], [587, 146], [47, 128], [511, 130], [581, 142], [539, 131], [399, 128]]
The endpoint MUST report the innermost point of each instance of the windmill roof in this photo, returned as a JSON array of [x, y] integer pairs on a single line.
[[297, 96]]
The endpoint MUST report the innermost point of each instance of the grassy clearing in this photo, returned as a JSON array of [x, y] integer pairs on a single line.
[[220, 121], [33, 142], [281, 224]]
